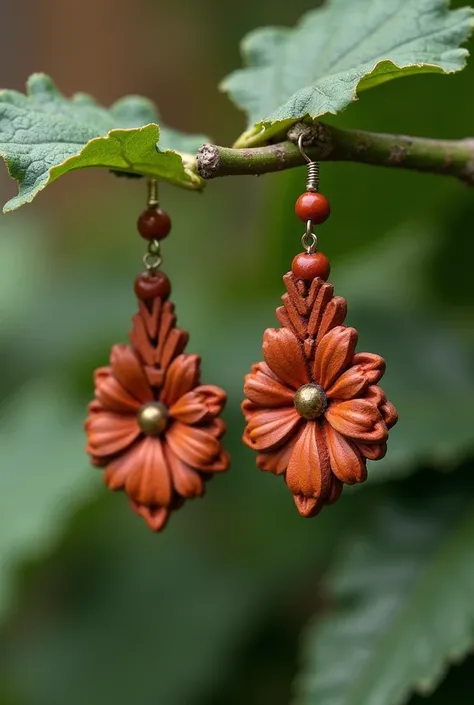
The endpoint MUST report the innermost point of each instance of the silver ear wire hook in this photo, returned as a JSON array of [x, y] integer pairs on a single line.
[[300, 147], [309, 239], [312, 179]]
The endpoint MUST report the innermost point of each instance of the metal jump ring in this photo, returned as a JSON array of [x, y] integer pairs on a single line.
[[309, 240], [152, 258], [152, 261]]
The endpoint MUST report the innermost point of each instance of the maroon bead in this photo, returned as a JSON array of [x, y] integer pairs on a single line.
[[154, 224], [309, 266], [312, 206], [152, 286]]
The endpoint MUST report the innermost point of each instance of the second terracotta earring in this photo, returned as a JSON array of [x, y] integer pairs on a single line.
[[153, 426], [314, 411]]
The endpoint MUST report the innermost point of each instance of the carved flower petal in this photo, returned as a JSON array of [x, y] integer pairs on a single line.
[[347, 463], [181, 377], [194, 446], [371, 364], [249, 409], [366, 369], [333, 355], [99, 462], [308, 471], [246, 438], [216, 427], [266, 391], [349, 385], [334, 315], [128, 371], [213, 397], [149, 480], [276, 461], [187, 482], [270, 428], [358, 419], [374, 451], [200, 403], [155, 517], [389, 413], [376, 395], [119, 468], [335, 490], [284, 356], [109, 433], [112, 395], [188, 409], [220, 464], [308, 507], [264, 368]]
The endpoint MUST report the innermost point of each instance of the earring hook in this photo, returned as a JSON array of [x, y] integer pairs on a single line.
[[300, 147], [312, 179]]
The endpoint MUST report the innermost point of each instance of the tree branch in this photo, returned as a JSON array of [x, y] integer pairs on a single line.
[[326, 143]]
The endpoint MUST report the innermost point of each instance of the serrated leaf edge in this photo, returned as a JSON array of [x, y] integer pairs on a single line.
[[193, 182], [261, 132]]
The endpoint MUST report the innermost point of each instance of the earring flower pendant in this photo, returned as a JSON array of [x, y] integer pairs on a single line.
[[314, 411], [153, 426]]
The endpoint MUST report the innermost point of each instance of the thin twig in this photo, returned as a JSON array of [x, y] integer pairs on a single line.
[[448, 157]]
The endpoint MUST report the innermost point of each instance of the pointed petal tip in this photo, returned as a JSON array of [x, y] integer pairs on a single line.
[[389, 414], [155, 517], [308, 507]]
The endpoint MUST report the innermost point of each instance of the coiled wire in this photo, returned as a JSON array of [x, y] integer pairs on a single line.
[[312, 178]]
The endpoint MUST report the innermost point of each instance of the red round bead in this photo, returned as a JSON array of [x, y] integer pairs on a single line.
[[154, 224], [312, 206], [152, 286], [308, 267]]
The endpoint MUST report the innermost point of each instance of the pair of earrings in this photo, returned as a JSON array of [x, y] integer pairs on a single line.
[[314, 412]]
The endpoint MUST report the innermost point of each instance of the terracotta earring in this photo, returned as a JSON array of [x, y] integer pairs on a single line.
[[314, 411], [152, 426]]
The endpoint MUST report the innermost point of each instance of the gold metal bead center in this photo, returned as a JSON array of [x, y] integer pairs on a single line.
[[310, 401], [153, 418]]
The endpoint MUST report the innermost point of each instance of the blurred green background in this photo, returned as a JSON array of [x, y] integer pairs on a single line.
[[94, 608]]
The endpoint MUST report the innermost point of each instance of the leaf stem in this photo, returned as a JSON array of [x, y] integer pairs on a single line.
[[447, 157]]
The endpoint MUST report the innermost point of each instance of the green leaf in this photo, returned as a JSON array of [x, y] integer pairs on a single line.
[[44, 135], [404, 610], [337, 51], [45, 475]]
